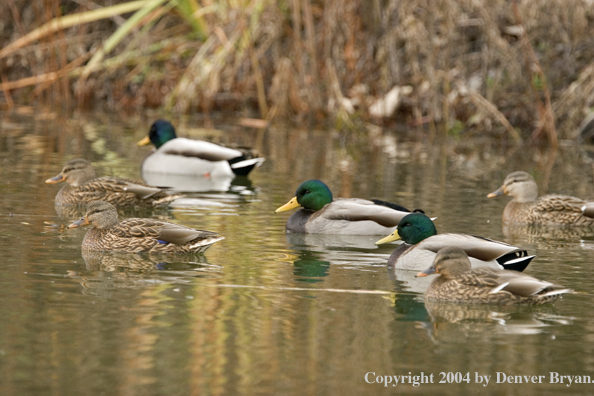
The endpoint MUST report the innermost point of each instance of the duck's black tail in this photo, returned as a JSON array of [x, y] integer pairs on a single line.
[[516, 261], [241, 166], [390, 205]]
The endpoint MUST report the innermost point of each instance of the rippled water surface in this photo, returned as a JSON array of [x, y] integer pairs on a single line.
[[265, 313]]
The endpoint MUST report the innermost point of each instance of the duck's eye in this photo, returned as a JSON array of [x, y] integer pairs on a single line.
[[307, 191]]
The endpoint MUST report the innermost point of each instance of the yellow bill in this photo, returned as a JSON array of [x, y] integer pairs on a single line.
[[144, 141], [292, 204], [390, 238]]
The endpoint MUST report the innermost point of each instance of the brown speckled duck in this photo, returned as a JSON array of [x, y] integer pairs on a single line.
[[83, 186], [527, 208], [139, 235], [457, 282]]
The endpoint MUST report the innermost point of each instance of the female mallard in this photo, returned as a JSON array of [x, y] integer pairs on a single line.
[[422, 242], [461, 284], [83, 186], [320, 214], [139, 235], [527, 208], [183, 156]]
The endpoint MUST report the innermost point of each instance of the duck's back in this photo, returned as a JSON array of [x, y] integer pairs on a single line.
[[354, 216], [190, 157], [548, 210]]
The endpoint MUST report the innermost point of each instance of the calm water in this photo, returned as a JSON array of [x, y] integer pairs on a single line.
[[263, 313]]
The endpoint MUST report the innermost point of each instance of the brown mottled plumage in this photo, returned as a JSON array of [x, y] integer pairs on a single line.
[[527, 208], [139, 235], [459, 283], [83, 186]]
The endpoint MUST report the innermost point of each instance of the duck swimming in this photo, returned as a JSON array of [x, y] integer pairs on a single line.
[[83, 186], [181, 156], [527, 208], [422, 242], [139, 235], [459, 283], [320, 213]]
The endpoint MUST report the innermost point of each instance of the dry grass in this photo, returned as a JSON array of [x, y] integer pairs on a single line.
[[473, 66]]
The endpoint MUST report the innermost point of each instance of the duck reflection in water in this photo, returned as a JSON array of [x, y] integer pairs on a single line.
[[309, 269], [317, 252], [142, 262], [456, 323]]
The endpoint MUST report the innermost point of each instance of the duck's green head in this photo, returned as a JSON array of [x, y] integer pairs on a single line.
[[412, 229], [161, 132], [311, 194]]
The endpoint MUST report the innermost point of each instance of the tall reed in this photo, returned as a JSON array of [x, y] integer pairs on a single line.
[[443, 67]]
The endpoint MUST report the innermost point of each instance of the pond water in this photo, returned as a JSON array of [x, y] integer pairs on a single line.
[[265, 313]]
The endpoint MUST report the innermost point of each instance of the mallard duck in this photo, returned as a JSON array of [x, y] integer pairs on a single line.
[[527, 208], [139, 235], [422, 242], [459, 283], [183, 156], [321, 214], [83, 186]]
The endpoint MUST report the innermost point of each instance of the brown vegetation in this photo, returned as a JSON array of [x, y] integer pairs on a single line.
[[508, 69]]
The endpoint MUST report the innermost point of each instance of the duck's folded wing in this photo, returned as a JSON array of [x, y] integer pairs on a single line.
[[138, 228], [522, 285], [199, 149], [482, 277], [180, 235], [166, 232], [117, 184], [354, 209], [483, 249], [562, 203]]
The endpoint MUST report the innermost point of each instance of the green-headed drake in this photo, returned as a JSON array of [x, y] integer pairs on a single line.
[[422, 242], [83, 186], [136, 235], [459, 283], [181, 156], [527, 208], [321, 214]]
